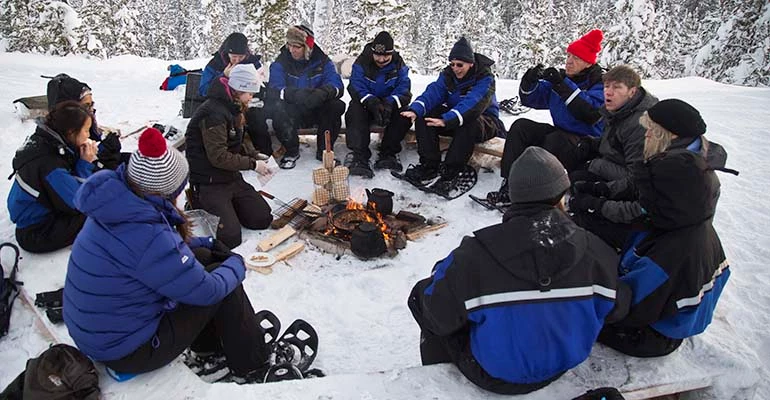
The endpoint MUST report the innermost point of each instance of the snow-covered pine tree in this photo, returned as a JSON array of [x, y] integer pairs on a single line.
[[266, 25]]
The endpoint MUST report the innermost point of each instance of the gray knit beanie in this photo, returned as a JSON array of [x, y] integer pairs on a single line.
[[156, 169], [535, 176]]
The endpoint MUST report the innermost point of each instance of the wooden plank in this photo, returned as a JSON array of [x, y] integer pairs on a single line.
[[290, 251], [419, 232], [276, 238]]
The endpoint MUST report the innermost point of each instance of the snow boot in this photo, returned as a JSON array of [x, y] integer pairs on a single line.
[[390, 162]]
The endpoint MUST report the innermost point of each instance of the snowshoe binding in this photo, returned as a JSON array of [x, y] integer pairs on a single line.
[[418, 175], [453, 184]]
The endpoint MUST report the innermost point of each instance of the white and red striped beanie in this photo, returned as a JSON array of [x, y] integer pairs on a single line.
[[155, 168]]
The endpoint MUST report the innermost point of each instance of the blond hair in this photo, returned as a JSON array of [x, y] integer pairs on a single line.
[[660, 138]]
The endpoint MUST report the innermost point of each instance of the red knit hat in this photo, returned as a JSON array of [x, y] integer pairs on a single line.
[[588, 46]]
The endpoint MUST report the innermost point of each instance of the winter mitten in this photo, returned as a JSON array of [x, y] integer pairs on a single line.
[[598, 189], [529, 80], [553, 75], [586, 203], [385, 112], [330, 91], [314, 98]]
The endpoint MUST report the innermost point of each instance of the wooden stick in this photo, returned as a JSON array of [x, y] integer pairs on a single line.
[[290, 251], [417, 233], [276, 238], [328, 140]]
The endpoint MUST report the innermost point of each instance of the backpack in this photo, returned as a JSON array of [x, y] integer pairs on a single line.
[[9, 289], [60, 373]]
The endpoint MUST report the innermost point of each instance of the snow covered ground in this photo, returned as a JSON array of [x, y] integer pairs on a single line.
[[369, 342]]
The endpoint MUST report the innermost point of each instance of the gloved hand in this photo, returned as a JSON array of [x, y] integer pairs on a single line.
[[553, 75], [331, 92], [529, 80], [598, 189], [314, 98], [588, 148], [110, 143], [220, 251], [292, 95], [386, 110], [586, 203], [374, 106]]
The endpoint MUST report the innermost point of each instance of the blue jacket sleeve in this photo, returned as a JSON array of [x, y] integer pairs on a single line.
[[435, 94], [358, 84], [209, 74], [538, 97], [402, 93], [472, 104], [63, 185], [169, 267], [332, 78], [201, 241], [434, 303]]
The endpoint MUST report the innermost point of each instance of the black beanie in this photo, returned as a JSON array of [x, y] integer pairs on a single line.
[[462, 51], [64, 87], [678, 117], [237, 44], [382, 43]]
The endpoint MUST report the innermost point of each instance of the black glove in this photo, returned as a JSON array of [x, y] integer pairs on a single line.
[[314, 98], [111, 143], [374, 106], [331, 91], [220, 252], [529, 80], [588, 148], [553, 75], [586, 203], [598, 189], [386, 110], [291, 95]]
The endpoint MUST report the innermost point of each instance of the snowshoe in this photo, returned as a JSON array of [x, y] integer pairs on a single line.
[[298, 345], [487, 204], [270, 324], [388, 162], [418, 175], [605, 393], [453, 185], [513, 106], [283, 372], [210, 367]]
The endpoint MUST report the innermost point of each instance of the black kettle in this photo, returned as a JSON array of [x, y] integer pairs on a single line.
[[367, 240], [382, 199]]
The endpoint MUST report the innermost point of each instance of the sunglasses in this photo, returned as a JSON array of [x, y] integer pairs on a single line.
[[457, 65]]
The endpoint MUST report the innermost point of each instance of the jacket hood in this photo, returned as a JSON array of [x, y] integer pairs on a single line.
[[535, 230], [106, 198], [43, 142], [220, 91], [677, 188]]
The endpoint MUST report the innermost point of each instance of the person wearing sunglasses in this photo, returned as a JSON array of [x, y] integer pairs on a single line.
[[573, 95], [66, 88], [461, 103], [48, 169], [379, 88]]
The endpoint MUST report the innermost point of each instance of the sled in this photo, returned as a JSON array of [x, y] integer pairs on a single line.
[[31, 107]]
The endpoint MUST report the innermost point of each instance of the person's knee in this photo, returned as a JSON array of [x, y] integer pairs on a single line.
[[230, 235], [257, 220]]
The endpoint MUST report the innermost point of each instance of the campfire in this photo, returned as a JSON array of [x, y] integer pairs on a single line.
[[367, 229]]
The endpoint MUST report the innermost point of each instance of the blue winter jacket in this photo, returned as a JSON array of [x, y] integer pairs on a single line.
[[319, 71], [390, 83], [467, 98], [129, 267], [48, 172], [577, 109]]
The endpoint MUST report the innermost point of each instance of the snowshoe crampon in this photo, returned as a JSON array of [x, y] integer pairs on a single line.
[[283, 372]]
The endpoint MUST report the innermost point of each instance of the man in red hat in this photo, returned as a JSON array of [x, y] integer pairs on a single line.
[[574, 96]]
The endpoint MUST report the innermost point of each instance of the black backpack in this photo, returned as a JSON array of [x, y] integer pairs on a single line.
[[60, 373], [9, 289]]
